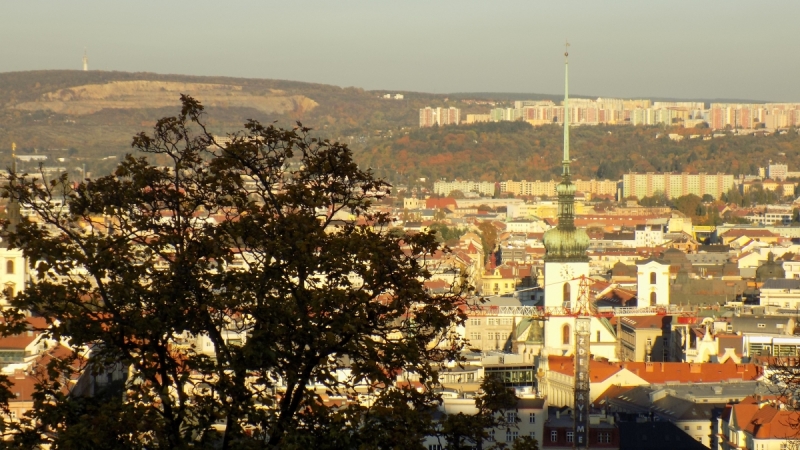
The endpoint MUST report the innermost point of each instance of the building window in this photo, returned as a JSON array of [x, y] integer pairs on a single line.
[[686, 428], [491, 435], [511, 436], [553, 436], [570, 436], [603, 438], [762, 325], [475, 322], [532, 435], [8, 290], [475, 336], [699, 427], [652, 278], [511, 417], [565, 335], [652, 299], [598, 335], [532, 418], [567, 293], [10, 267]]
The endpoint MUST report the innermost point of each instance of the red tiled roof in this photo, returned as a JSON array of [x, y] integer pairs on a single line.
[[437, 203], [661, 372], [749, 233]]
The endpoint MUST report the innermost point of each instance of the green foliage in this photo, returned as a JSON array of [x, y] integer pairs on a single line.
[[688, 204], [518, 151], [464, 431], [488, 234], [445, 233], [733, 196], [657, 199], [273, 270]]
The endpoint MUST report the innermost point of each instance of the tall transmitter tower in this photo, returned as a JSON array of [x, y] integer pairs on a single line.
[[85, 61]]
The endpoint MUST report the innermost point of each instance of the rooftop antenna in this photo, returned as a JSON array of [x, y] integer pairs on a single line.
[[85, 61]]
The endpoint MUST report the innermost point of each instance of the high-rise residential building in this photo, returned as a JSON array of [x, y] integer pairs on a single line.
[[427, 117], [777, 171], [448, 116], [439, 116], [447, 187], [674, 185], [540, 188]]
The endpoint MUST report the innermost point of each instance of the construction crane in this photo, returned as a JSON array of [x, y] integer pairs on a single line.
[[583, 310]]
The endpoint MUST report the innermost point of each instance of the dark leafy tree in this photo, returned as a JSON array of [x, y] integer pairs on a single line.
[[657, 199], [488, 233], [237, 244], [466, 431], [445, 233]]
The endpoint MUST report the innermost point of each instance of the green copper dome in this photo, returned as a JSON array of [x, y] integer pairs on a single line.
[[566, 245]]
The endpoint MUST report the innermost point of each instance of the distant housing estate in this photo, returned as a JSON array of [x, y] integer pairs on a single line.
[[674, 185], [548, 188], [645, 112], [429, 117], [480, 187]]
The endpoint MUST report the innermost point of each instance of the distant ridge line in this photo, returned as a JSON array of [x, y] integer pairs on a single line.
[[537, 96]]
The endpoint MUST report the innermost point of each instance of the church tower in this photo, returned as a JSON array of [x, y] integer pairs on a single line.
[[565, 259]]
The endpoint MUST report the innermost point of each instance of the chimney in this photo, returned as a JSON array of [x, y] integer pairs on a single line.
[[558, 414]]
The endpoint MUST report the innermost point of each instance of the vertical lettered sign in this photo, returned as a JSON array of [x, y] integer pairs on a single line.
[[581, 415]]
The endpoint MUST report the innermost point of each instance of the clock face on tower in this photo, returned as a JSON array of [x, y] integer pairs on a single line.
[[567, 273]]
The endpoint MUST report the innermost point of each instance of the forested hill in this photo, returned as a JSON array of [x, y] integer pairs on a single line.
[[94, 114], [516, 150]]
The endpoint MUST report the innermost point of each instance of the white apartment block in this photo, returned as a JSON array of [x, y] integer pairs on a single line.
[[446, 187], [674, 185], [548, 188], [439, 116]]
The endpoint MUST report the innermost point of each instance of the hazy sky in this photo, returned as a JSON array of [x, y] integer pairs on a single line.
[[640, 48]]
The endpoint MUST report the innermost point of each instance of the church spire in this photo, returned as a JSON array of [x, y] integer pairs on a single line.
[[566, 242], [565, 161]]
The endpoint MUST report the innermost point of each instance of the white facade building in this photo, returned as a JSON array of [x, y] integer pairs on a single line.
[[652, 286], [446, 187]]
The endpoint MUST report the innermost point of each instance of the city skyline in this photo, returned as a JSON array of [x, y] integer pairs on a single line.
[[681, 50]]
